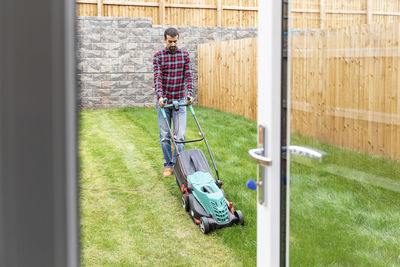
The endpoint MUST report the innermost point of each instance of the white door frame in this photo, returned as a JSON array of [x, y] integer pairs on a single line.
[[269, 232]]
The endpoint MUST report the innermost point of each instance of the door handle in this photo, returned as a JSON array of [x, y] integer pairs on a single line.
[[256, 155]]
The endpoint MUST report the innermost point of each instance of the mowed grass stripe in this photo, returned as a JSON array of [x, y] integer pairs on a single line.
[[140, 228], [363, 177], [357, 223], [390, 183], [119, 135]]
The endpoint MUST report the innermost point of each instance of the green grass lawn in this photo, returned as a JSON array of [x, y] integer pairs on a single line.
[[120, 148], [344, 211]]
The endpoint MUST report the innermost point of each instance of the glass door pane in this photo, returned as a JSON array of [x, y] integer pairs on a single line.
[[345, 103]]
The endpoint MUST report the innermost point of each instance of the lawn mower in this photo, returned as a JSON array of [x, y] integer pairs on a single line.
[[202, 195]]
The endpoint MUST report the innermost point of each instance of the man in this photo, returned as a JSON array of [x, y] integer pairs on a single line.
[[172, 76]]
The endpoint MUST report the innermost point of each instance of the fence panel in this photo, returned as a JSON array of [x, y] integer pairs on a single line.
[[233, 13], [316, 14], [86, 9], [329, 14], [228, 76], [344, 87]]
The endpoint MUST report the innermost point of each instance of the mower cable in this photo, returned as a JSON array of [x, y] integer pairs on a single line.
[[180, 166]]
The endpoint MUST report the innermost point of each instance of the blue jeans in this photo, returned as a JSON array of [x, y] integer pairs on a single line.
[[165, 135]]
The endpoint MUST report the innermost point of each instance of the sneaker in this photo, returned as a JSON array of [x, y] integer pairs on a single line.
[[168, 172]]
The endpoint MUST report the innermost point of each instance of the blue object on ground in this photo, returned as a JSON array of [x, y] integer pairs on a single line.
[[251, 184]]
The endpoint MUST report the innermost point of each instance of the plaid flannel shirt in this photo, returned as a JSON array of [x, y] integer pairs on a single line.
[[171, 73]]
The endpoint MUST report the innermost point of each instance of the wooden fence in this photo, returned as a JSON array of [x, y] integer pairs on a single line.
[[226, 13], [345, 84], [345, 87], [228, 76], [317, 14], [328, 14]]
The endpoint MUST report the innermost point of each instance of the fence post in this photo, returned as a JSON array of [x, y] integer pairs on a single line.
[[99, 8], [322, 13], [369, 11], [219, 13], [161, 13]]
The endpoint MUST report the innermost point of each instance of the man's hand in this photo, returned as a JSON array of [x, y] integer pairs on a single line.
[[161, 102], [190, 100]]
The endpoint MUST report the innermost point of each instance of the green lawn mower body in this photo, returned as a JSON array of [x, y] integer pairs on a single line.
[[202, 195], [209, 195]]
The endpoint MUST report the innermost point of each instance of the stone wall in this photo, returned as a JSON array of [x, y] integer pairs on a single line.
[[115, 57]]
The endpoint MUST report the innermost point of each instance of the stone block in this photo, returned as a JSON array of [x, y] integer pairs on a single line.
[[137, 77], [109, 53], [139, 32], [96, 29], [147, 91], [132, 91], [117, 92], [118, 77], [243, 34], [157, 39], [100, 24], [125, 23], [99, 77], [86, 93], [144, 68], [114, 99], [130, 59], [84, 77], [110, 38], [124, 84], [91, 54], [105, 84], [143, 24], [106, 46], [92, 38], [148, 60], [100, 92], [131, 46], [85, 23], [128, 98], [143, 39], [143, 99], [126, 68], [84, 46], [107, 69], [189, 47], [143, 84], [94, 100], [148, 76], [91, 85]]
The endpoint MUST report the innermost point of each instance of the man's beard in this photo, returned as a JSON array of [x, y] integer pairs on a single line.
[[172, 49]]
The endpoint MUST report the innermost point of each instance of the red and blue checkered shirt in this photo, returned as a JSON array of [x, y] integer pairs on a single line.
[[171, 73]]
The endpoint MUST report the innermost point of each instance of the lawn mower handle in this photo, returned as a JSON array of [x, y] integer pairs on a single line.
[[176, 105]]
